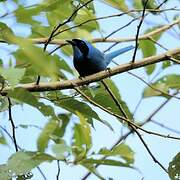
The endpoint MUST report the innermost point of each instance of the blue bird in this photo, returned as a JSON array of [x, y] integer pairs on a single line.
[[89, 60]]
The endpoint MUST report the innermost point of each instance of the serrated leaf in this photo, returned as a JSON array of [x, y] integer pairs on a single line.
[[163, 84], [12, 75], [174, 168], [23, 162]]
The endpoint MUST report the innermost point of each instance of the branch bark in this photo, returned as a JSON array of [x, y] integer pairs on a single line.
[[70, 84]]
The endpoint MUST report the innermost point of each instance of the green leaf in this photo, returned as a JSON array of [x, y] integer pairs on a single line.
[[174, 168], [46, 133], [163, 84], [109, 162], [23, 162], [137, 4], [61, 150], [60, 130], [40, 61], [26, 97], [122, 150], [151, 4], [114, 89], [82, 133], [12, 75], [25, 15], [4, 173], [82, 16], [149, 49], [166, 64], [2, 139], [93, 170], [6, 33], [118, 4], [74, 106]]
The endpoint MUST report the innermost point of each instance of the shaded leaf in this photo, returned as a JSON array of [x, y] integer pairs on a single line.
[[109, 162], [23, 162], [174, 168], [2, 139], [26, 97]]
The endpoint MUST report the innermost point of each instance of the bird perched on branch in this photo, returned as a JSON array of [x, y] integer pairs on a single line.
[[89, 60]]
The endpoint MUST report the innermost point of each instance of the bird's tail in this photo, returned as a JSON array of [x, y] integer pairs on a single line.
[[116, 53]]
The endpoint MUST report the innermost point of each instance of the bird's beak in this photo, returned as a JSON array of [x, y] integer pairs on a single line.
[[71, 42]]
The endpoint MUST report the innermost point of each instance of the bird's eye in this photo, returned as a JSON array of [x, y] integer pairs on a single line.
[[83, 47]]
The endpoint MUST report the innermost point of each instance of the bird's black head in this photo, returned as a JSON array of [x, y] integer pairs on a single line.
[[81, 45]]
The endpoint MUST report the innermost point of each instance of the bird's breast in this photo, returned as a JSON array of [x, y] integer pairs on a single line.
[[88, 66]]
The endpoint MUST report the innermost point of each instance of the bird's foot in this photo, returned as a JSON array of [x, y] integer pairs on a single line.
[[109, 71]]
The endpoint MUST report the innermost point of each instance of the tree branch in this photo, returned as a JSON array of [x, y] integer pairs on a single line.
[[69, 84]]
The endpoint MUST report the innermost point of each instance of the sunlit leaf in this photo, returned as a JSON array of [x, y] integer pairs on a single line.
[[12, 75], [61, 150], [118, 4], [164, 84], [122, 150], [46, 133], [82, 133], [148, 48]]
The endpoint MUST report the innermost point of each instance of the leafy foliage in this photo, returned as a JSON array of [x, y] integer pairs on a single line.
[[174, 168], [67, 111]]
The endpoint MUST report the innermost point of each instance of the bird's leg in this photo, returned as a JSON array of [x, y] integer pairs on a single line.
[[109, 71], [80, 77]]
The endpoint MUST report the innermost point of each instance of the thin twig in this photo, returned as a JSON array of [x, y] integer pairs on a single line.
[[128, 121], [165, 127], [121, 138], [149, 151], [52, 35], [132, 127], [9, 135], [138, 31], [152, 87], [12, 124], [58, 170]]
